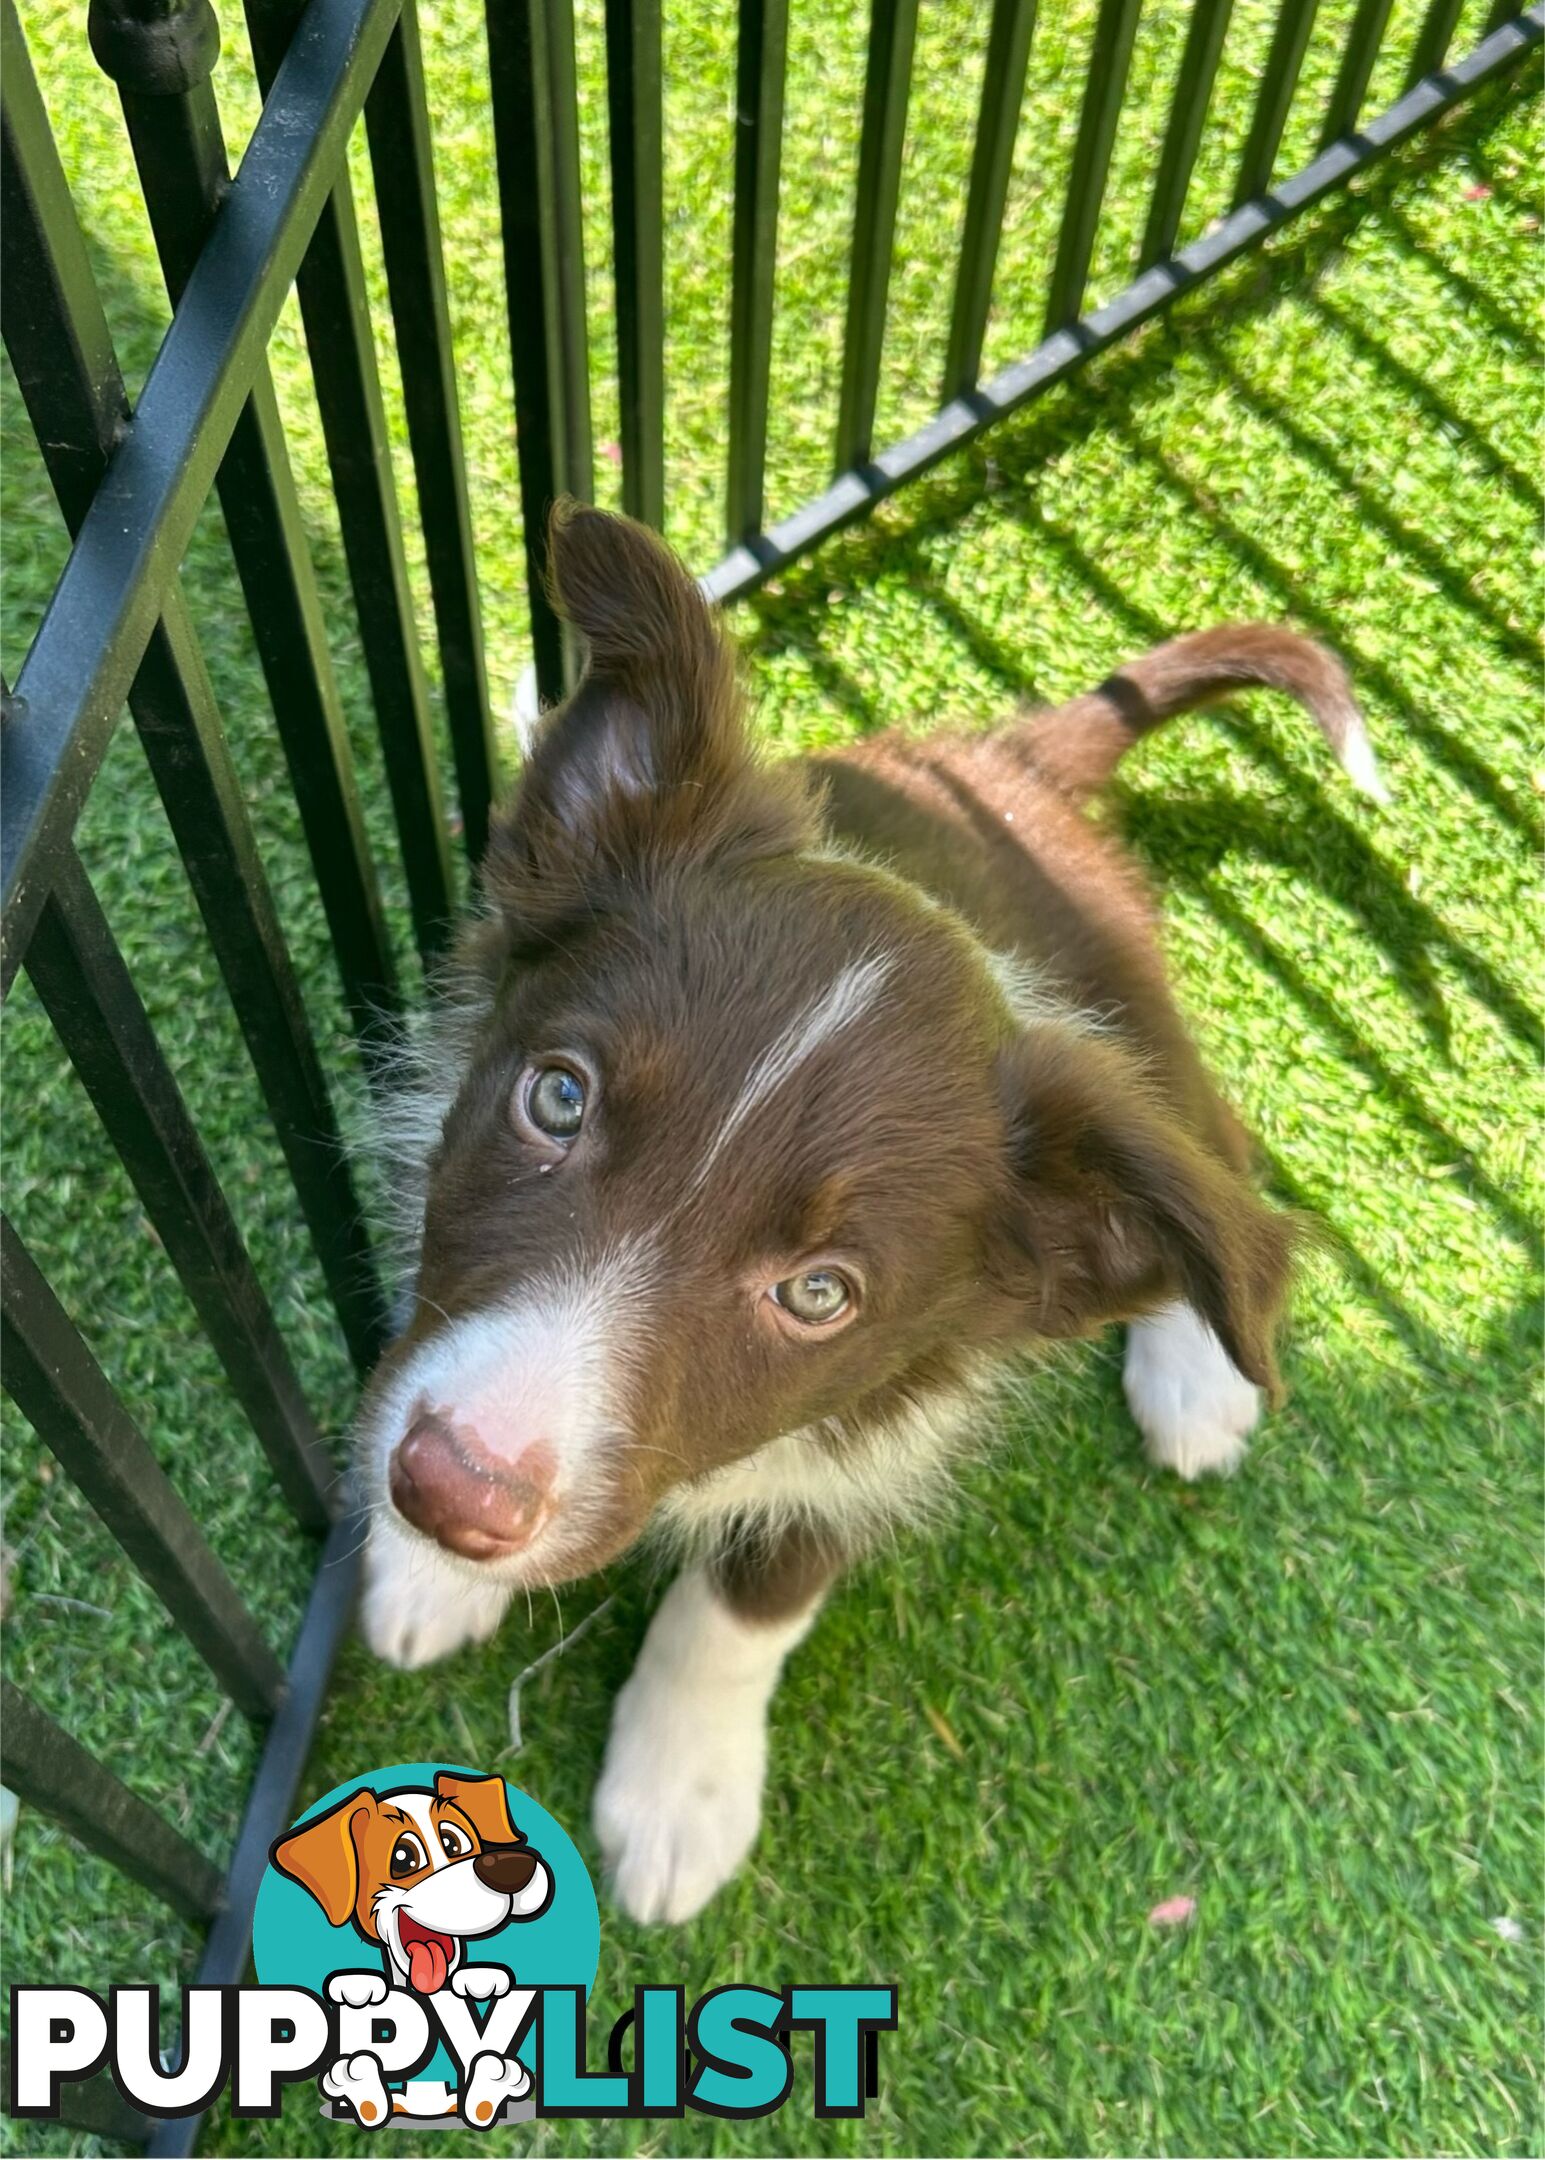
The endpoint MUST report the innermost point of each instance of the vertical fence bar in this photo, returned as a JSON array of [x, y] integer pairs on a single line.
[[1003, 93], [53, 1773], [57, 339], [634, 95], [60, 1388], [558, 120], [887, 85], [402, 162], [335, 309], [1104, 88], [760, 68], [1284, 64], [89, 995], [1501, 11], [1433, 39], [1356, 70], [179, 150], [1183, 137], [271, 1800], [531, 79]]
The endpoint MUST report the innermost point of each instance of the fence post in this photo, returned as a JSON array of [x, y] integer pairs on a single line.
[[633, 91], [760, 61], [1003, 93], [402, 164], [1284, 64], [1183, 136], [531, 78], [887, 83], [1109, 60]]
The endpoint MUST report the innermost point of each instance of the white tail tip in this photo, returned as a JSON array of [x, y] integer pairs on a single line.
[[526, 709], [1362, 767]]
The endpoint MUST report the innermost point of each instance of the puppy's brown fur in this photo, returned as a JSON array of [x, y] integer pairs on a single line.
[[896, 1012]]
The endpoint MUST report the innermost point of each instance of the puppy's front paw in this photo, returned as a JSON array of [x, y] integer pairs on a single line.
[[680, 1797], [416, 1607], [1194, 1406]]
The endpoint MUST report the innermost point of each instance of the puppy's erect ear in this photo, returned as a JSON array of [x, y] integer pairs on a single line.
[[323, 1856], [1113, 1207], [648, 761], [485, 1804]]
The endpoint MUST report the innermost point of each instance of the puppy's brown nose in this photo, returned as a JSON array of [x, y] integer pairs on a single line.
[[506, 1868], [473, 1502]]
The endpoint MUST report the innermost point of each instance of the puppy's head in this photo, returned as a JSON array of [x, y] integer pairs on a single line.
[[748, 1138]]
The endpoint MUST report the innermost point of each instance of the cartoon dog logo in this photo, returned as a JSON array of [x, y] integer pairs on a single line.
[[420, 1873]]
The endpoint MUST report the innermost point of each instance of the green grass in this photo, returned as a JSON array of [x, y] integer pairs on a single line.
[[1309, 1699]]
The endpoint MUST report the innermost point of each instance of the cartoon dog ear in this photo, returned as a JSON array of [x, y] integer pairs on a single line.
[[323, 1856], [482, 1800]]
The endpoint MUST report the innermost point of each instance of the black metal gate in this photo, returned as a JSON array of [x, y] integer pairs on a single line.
[[118, 630]]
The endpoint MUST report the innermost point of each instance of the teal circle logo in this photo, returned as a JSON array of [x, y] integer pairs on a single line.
[[420, 1874]]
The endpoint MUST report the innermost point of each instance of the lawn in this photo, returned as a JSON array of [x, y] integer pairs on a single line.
[[1307, 1699]]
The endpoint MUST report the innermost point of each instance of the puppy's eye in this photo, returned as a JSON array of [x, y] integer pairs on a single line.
[[816, 1298], [408, 1855], [456, 1842], [555, 1101]]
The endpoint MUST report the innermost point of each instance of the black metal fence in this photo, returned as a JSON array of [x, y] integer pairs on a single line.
[[118, 630]]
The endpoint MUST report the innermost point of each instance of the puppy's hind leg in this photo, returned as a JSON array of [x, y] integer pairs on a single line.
[[1194, 1407]]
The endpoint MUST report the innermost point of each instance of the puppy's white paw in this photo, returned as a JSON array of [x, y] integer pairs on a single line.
[[481, 1983], [680, 1798], [416, 1607], [358, 2082], [494, 2080], [1194, 1406]]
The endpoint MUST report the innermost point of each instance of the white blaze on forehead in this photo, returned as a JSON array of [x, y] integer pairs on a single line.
[[850, 996]]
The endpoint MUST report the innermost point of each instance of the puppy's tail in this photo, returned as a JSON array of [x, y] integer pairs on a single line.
[[1079, 745]]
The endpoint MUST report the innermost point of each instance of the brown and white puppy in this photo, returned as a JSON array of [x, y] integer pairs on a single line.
[[769, 1111]]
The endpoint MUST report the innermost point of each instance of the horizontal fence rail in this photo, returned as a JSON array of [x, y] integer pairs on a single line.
[[120, 630], [965, 415]]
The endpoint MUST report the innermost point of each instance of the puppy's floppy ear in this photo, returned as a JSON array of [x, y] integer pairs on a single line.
[[648, 760], [1113, 1207], [485, 1804], [323, 1855]]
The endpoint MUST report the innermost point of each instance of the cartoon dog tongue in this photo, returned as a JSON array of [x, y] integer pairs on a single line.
[[428, 1962]]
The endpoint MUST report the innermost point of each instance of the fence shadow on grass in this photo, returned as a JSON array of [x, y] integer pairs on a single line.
[[1439, 411], [1320, 844]]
